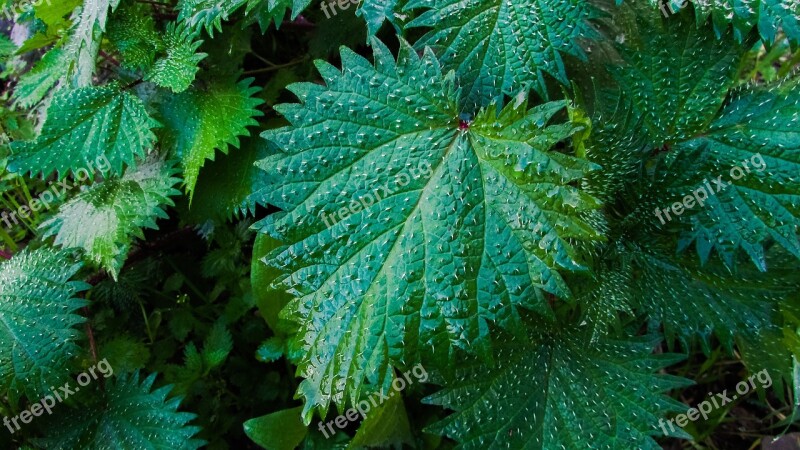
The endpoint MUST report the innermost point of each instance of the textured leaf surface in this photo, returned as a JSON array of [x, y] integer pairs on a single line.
[[209, 14], [498, 47], [128, 415], [677, 75], [132, 32], [105, 219], [34, 85], [561, 392], [178, 68], [201, 120], [691, 301], [451, 226], [84, 41], [37, 320], [769, 15], [753, 149], [83, 126]]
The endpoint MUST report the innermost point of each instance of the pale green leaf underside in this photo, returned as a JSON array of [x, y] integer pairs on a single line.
[[84, 40], [466, 226], [561, 391], [499, 47], [126, 416], [104, 220], [199, 121], [83, 126], [37, 321]]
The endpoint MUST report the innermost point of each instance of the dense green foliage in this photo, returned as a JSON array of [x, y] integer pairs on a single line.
[[543, 224]]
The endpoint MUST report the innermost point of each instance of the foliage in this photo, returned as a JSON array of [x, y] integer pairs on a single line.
[[386, 224]]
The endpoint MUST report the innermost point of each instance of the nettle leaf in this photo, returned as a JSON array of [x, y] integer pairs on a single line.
[[126, 415], [44, 76], [560, 391], [209, 14], [692, 301], [231, 184], [104, 220], [85, 125], [408, 231], [770, 16], [84, 41], [37, 321], [206, 118], [747, 164], [496, 47], [177, 70], [676, 75], [132, 32]]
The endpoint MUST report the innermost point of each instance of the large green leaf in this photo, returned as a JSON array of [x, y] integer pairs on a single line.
[[451, 225], [559, 391], [127, 415], [203, 119], [499, 47], [104, 220], [37, 321], [84, 126]]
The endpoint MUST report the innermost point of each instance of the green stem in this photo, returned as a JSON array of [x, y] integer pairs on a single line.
[[8, 240]]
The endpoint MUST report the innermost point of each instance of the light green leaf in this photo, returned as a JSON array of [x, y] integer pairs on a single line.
[[83, 126], [105, 219], [770, 16], [282, 430], [177, 70], [206, 118]]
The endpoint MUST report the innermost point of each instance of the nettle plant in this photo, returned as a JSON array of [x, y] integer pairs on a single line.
[[265, 216]]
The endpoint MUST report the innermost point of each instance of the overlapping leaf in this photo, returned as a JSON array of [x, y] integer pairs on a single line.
[[104, 220], [178, 68], [747, 164], [408, 231], [86, 125], [127, 415], [37, 321], [677, 75], [497, 47], [201, 120], [560, 391]]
